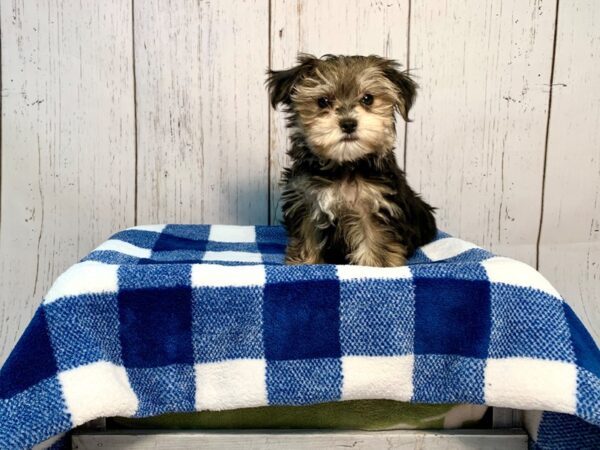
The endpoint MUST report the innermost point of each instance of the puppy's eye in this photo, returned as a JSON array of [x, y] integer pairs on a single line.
[[323, 102], [367, 99]]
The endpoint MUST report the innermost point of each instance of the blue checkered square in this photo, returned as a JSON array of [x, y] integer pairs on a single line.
[[181, 244], [304, 382], [163, 389], [140, 238], [156, 326], [586, 350], [155, 276], [291, 274], [377, 317], [34, 406], [227, 326], [276, 259], [271, 240], [188, 232], [85, 329], [177, 257], [269, 234], [168, 242], [588, 395], [301, 319], [216, 246], [463, 303], [31, 361], [452, 271], [448, 379], [535, 327], [564, 432]]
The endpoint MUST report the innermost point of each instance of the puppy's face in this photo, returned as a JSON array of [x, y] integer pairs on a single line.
[[344, 105]]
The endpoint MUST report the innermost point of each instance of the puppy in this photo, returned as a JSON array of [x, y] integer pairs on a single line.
[[345, 200]]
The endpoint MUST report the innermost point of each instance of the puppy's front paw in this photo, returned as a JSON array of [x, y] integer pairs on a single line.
[[366, 256], [298, 252]]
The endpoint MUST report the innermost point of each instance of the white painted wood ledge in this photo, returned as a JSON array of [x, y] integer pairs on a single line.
[[512, 439]]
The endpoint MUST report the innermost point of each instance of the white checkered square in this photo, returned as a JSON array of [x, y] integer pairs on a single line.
[[349, 272], [158, 228], [214, 275], [88, 277], [232, 233], [232, 256], [377, 377], [100, 389], [446, 248], [239, 383], [126, 248], [510, 271], [527, 383]]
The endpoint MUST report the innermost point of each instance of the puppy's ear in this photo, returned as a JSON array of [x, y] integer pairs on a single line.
[[406, 87], [281, 83]]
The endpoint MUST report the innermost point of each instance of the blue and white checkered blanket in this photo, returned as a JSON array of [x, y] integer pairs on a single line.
[[193, 317]]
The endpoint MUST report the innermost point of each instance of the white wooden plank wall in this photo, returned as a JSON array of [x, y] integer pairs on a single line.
[[476, 146], [149, 111], [570, 233], [202, 118], [68, 150]]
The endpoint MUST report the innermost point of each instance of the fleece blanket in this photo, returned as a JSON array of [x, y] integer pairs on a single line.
[[178, 318]]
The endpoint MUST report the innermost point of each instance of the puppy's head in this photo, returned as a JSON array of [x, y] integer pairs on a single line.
[[344, 105]]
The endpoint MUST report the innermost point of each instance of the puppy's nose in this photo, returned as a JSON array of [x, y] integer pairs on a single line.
[[348, 125]]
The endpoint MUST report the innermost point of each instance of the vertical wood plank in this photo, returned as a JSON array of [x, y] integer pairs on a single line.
[[351, 27], [67, 143], [476, 146], [570, 232], [201, 115]]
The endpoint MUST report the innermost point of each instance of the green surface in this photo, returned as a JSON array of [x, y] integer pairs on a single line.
[[355, 414]]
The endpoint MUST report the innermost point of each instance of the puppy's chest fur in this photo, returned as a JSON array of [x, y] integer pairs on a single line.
[[353, 195]]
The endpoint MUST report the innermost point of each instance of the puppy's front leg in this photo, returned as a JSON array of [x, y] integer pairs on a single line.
[[304, 247], [373, 244]]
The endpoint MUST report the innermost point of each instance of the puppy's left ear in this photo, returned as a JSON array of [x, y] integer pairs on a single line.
[[281, 83], [405, 86]]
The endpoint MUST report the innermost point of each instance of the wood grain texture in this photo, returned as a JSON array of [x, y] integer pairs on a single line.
[[67, 143], [201, 115], [319, 27], [570, 233], [476, 146], [290, 440]]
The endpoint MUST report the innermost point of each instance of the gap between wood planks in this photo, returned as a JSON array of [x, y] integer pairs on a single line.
[[544, 167]]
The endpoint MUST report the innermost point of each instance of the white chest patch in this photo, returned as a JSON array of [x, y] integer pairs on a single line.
[[356, 195]]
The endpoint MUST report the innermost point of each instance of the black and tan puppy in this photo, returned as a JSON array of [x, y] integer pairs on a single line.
[[345, 200]]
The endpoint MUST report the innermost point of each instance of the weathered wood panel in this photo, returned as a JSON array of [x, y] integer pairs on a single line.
[[570, 233], [67, 143], [476, 146], [202, 118], [289, 440], [320, 27]]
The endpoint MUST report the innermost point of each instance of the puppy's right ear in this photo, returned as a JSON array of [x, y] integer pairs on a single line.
[[281, 83]]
